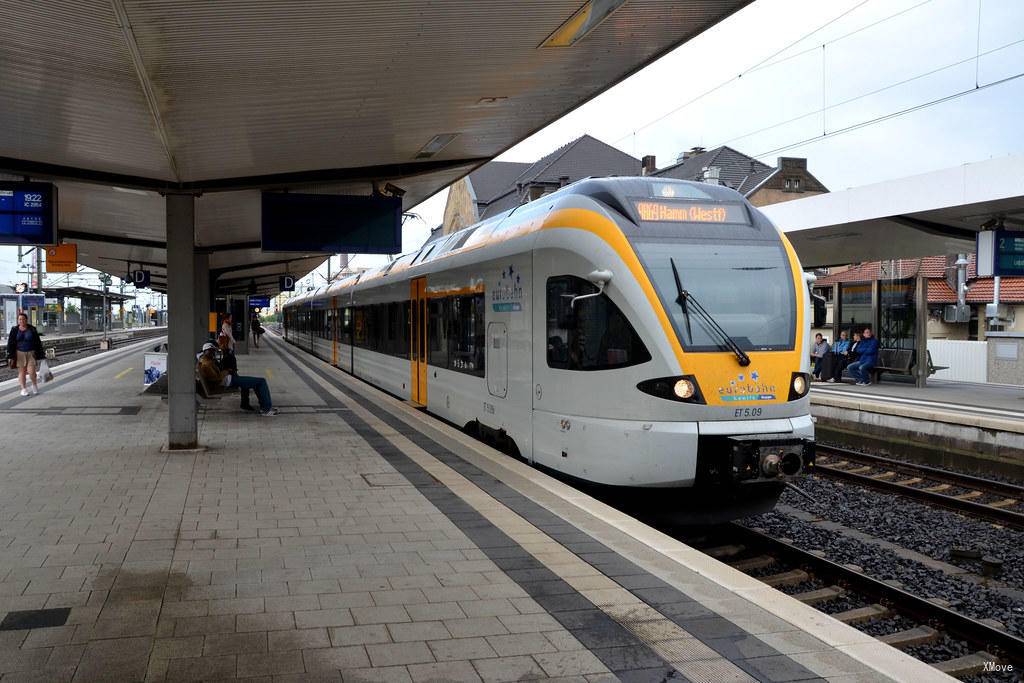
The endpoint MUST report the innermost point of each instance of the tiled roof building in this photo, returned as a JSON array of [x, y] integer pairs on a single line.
[[501, 185], [760, 183], [980, 290]]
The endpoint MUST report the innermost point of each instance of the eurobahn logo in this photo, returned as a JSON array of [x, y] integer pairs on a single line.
[[508, 295], [747, 389]]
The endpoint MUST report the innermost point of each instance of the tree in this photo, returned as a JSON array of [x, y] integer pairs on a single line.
[[71, 308]]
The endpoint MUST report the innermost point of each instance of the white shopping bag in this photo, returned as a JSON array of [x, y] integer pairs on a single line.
[[44, 372]]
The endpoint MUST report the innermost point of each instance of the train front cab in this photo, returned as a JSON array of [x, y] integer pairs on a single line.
[[610, 415]]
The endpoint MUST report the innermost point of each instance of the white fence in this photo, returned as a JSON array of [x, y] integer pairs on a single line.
[[967, 361]]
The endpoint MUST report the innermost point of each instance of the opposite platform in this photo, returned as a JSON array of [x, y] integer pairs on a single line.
[[353, 537], [959, 424]]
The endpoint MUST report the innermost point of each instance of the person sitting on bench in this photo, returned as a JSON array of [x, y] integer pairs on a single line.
[[213, 374], [227, 361], [818, 353], [867, 357], [837, 360]]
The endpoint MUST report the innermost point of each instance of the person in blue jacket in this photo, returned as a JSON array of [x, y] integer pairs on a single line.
[[867, 357]]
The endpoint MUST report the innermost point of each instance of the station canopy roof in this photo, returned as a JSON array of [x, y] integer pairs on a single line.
[[923, 215], [121, 100], [86, 293]]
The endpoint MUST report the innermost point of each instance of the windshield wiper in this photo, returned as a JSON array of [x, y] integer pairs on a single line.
[[685, 298], [681, 299]]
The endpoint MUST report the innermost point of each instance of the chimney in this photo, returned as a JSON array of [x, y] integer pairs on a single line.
[[648, 165], [693, 151], [563, 180]]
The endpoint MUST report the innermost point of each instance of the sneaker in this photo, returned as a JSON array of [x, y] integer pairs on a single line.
[[268, 413], [863, 384], [35, 390], [24, 392], [831, 379]]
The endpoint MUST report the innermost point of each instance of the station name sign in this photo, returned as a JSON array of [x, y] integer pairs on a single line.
[[28, 213], [661, 211]]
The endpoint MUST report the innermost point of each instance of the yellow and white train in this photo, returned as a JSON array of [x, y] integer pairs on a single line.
[[645, 334]]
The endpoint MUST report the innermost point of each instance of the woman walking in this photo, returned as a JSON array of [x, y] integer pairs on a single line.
[[23, 348]]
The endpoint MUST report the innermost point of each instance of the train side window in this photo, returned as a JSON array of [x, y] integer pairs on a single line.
[[592, 335], [466, 334], [437, 332], [346, 325]]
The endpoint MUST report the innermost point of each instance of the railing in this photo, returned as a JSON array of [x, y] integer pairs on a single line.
[[966, 361]]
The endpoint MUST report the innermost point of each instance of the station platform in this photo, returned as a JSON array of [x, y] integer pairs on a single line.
[[352, 537], [963, 424]]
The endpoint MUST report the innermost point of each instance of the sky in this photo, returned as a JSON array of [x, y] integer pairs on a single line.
[[807, 78]]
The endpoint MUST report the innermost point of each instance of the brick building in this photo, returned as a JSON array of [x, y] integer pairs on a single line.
[[940, 295]]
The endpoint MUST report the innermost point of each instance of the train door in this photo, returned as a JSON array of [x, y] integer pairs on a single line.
[[418, 339], [497, 359]]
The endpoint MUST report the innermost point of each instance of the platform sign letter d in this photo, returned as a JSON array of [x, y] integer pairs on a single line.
[[287, 283], [140, 278]]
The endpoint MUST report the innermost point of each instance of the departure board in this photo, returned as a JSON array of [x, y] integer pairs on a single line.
[[1009, 253], [28, 213]]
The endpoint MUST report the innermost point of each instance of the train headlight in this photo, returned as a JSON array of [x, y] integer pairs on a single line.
[[684, 389], [799, 386]]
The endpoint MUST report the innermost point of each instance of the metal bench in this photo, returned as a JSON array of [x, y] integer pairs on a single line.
[[895, 361], [900, 362]]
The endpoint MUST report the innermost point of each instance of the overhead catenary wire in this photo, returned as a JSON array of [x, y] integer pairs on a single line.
[[766, 62], [876, 91], [895, 114], [755, 67]]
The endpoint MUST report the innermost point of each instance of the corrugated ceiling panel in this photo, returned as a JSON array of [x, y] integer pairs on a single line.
[[270, 87], [69, 93]]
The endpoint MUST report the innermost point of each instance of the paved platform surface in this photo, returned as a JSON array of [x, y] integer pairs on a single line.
[[940, 396], [352, 538]]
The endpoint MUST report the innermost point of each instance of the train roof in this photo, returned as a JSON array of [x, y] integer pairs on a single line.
[[615, 192]]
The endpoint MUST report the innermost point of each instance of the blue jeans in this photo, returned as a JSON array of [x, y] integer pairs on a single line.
[[860, 370], [817, 366], [257, 384]]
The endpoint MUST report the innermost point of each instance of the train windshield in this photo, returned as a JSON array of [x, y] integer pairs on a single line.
[[745, 287]]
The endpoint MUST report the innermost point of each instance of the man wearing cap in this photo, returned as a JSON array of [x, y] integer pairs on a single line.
[[213, 374]]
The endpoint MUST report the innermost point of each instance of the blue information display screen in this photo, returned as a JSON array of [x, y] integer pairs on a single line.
[[331, 224], [1009, 253], [28, 213]]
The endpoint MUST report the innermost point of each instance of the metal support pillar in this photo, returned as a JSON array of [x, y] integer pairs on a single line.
[[921, 330], [202, 299], [876, 309], [182, 430]]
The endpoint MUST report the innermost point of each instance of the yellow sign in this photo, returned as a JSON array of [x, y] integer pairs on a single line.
[[62, 258], [690, 212], [213, 322]]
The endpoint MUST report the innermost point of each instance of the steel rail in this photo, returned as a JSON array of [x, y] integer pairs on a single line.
[[935, 473], [979, 634], [998, 515]]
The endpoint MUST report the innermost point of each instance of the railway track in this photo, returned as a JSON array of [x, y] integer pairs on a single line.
[[993, 501], [782, 565]]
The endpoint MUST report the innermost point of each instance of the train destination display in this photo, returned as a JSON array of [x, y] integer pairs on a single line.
[[28, 213], [690, 212]]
